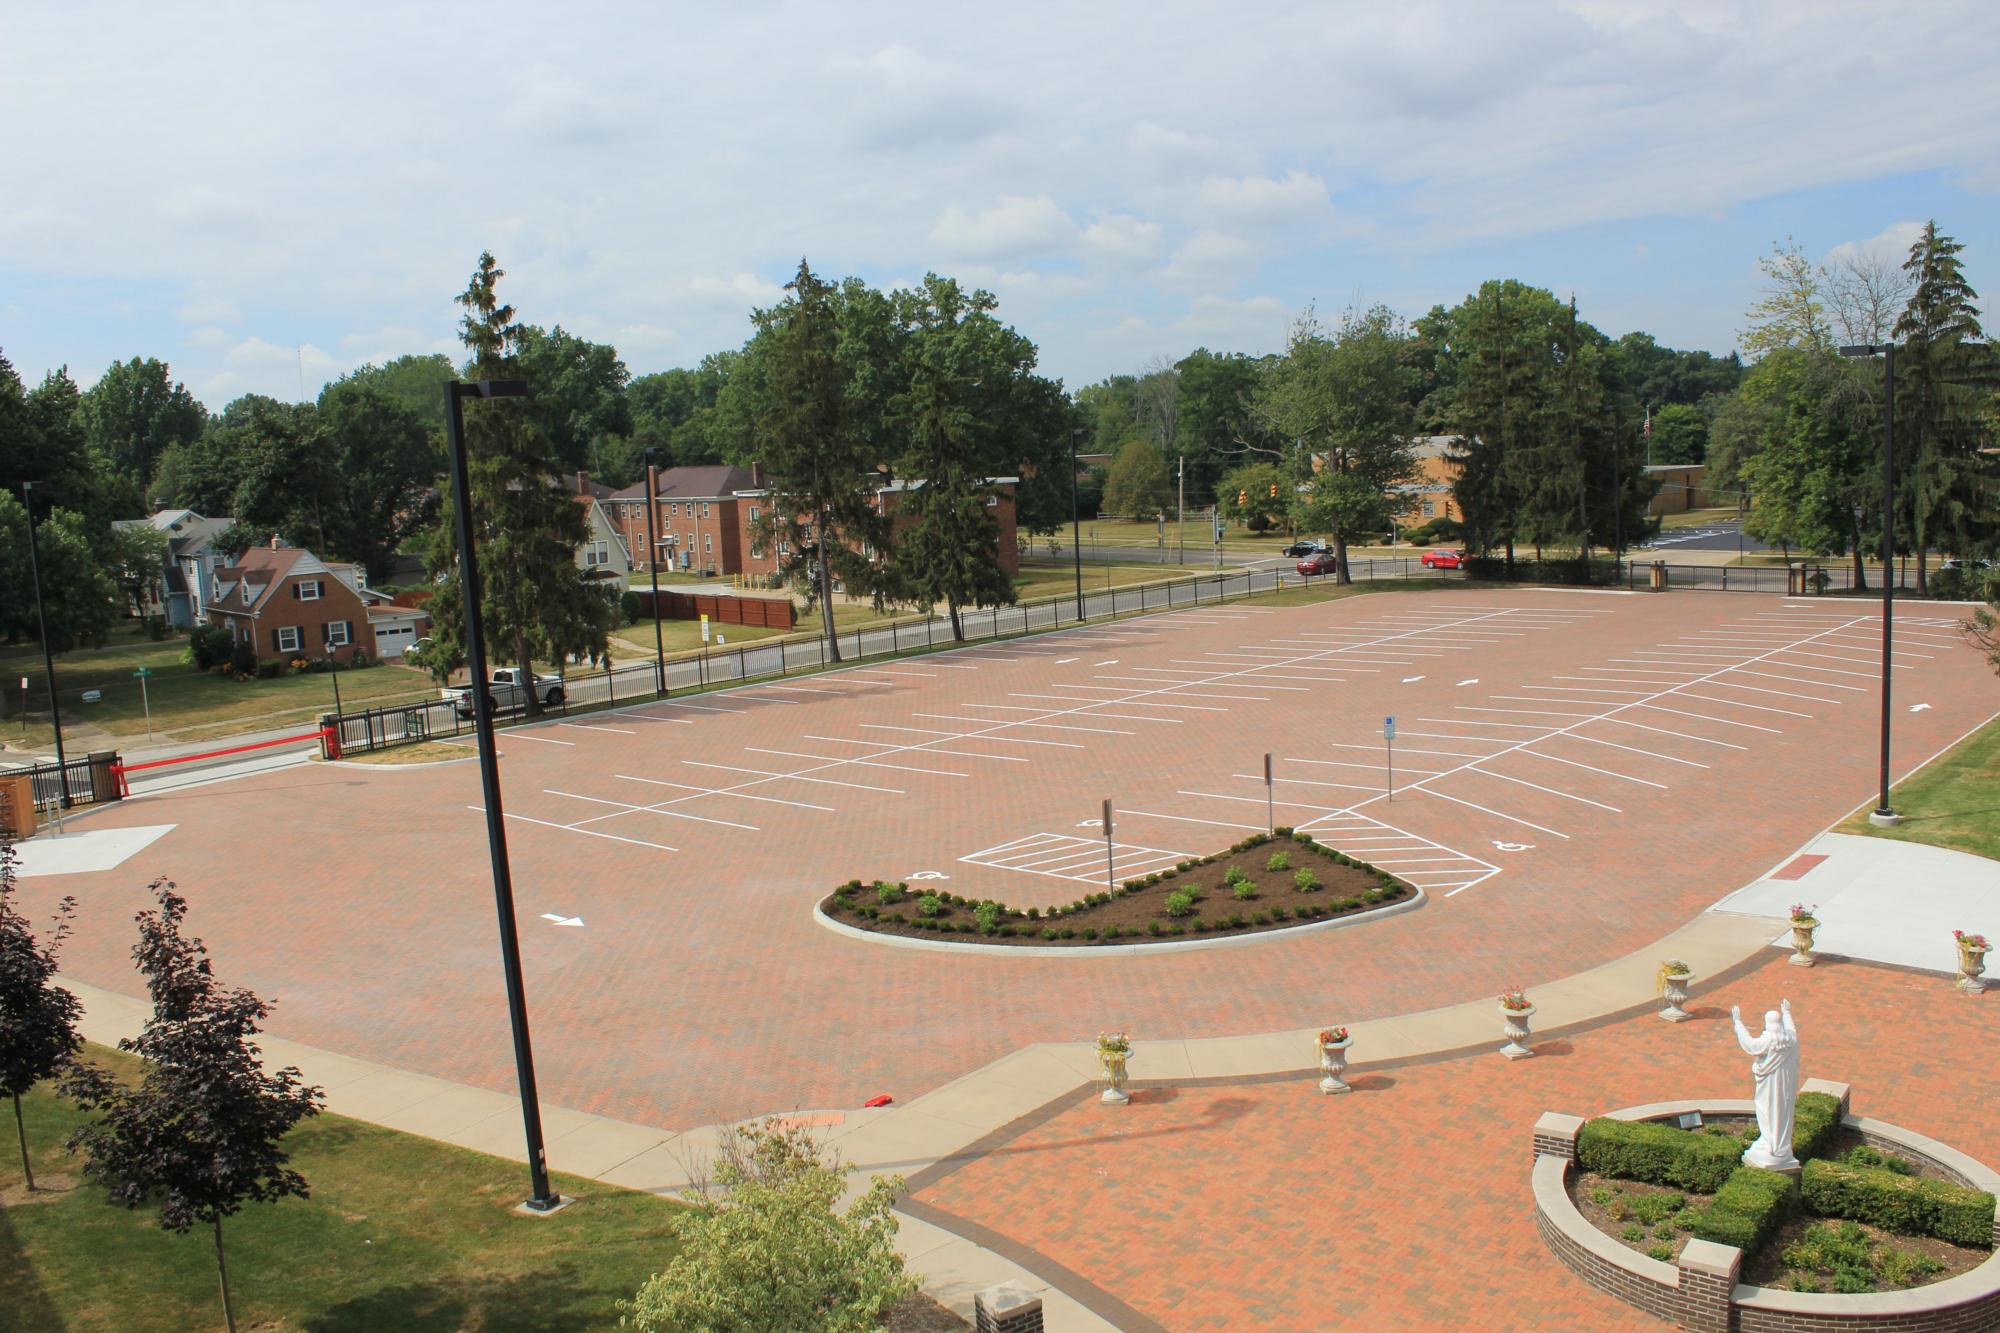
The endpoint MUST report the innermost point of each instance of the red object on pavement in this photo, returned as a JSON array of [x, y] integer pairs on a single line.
[[883, 1100]]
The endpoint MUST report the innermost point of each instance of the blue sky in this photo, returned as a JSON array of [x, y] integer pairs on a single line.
[[261, 194]]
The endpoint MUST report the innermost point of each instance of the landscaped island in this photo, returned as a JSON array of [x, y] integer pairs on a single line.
[[1267, 882]]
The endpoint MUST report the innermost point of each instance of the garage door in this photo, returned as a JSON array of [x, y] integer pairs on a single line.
[[391, 641]]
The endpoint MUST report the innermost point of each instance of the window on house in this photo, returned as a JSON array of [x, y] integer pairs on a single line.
[[288, 639], [308, 590], [596, 555], [338, 634], [1430, 508], [784, 550], [708, 542], [246, 594], [674, 509], [704, 509], [753, 513]]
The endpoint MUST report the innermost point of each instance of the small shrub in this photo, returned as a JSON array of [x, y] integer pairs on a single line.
[[1305, 880], [1034, 914], [1048, 932], [1069, 932], [1661, 1250], [1863, 1155], [929, 905], [1652, 1209], [208, 647], [1905, 1268], [1153, 927], [887, 893], [1262, 918], [1602, 1195], [1090, 932], [1633, 1232], [1899, 1203], [1658, 1154], [1180, 903], [1278, 861], [1010, 931], [1815, 1122], [987, 914], [1750, 1206], [272, 668], [1201, 925], [1244, 890]]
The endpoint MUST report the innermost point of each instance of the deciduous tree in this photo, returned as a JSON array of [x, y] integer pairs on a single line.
[[136, 412], [37, 1017], [202, 1134]]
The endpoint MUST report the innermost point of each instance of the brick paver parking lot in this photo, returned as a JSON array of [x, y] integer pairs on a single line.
[[1575, 775], [1405, 1204]]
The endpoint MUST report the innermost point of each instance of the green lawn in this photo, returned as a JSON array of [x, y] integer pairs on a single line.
[[187, 704], [400, 1233], [1952, 802]]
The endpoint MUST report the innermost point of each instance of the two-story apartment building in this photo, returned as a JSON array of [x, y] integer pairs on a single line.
[[705, 520], [192, 559], [286, 602]]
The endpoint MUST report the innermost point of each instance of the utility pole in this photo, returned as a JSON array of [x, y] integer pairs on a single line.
[[1180, 516], [48, 658], [653, 564]]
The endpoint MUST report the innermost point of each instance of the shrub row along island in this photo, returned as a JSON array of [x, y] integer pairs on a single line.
[[1267, 882]]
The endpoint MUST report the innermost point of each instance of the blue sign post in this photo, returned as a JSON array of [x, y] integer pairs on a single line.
[[1389, 746]]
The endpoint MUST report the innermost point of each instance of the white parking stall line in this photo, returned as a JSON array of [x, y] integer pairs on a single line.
[[795, 777], [1513, 726], [1348, 763], [1131, 717], [1653, 754], [1575, 689], [1627, 722], [517, 734], [1350, 745], [1047, 855], [1411, 861], [1704, 717], [1635, 677], [637, 716], [1313, 782], [1836, 671], [586, 832], [803, 689], [1607, 772], [1738, 703], [1877, 644], [1782, 694], [1189, 661], [627, 808], [585, 726], [1259, 800], [1185, 819], [1553, 791], [723, 791], [992, 740], [1537, 699], [698, 708], [830, 760], [1798, 680], [1497, 814], [1443, 736], [877, 745], [1654, 668]]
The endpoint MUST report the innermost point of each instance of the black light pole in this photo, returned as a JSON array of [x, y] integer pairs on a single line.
[[653, 564], [1884, 815], [540, 1199], [48, 658], [1075, 526]]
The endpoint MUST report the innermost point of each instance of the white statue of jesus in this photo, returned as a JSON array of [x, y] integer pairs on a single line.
[[1776, 1069]]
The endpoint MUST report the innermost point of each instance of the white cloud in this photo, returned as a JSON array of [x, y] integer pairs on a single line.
[[1016, 227], [738, 289], [1210, 256], [210, 310], [1893, 242], [1122, 239], [1261, 201]]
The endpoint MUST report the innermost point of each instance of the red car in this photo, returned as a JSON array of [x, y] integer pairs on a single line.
[[1444, 559], [1320, 562]]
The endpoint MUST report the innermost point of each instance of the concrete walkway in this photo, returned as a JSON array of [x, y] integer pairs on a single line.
[[1880, 900], [953, 1119]]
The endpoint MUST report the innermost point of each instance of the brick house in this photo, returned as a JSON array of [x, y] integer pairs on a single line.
[[289, 603]]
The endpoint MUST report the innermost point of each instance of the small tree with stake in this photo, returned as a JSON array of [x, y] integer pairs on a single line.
[[37, 1017], [200, 1135]]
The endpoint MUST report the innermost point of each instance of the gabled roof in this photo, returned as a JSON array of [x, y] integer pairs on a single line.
[[715, 481], [265, 570]]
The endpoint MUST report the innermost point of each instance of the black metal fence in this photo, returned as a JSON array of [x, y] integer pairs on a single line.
[[83, 781], [774, 659]]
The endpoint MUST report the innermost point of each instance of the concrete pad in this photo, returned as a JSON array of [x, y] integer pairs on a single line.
[[1001, 1092], [1266, 1053], [908, 1143], [596, 1145], [80, 853], [1882, 900]]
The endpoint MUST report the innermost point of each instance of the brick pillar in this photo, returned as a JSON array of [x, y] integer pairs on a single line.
[[1707, 1282], [1007, 1308], [1555, 1135]]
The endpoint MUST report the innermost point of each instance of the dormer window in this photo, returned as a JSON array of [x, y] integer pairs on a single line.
[[246, 594], [308, 590]]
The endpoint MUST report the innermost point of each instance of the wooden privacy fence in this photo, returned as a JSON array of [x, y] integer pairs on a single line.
[[768, 612]]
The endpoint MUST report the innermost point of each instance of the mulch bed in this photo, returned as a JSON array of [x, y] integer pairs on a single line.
[[1140, 911], [921, 1314]]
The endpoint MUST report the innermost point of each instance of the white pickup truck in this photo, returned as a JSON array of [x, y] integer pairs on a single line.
[[505, 690]]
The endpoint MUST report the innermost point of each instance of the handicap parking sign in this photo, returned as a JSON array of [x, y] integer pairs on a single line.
[[1389, 728]]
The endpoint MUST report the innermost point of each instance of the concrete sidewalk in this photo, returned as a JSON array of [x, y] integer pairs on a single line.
[[1880, 899]]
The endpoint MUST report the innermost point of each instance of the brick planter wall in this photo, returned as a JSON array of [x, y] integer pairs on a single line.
[[1701, 1292]]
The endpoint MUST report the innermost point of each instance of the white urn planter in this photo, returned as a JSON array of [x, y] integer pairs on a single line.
[[1333, 1066], [1674, 989], [1971, 968], [1114, 1062], [1802, 941], [1515, 1022]]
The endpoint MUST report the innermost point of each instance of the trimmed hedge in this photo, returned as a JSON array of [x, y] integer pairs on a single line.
[[1749, 1208], [1900, 1203], [1658, 1153], [1815, 1121]]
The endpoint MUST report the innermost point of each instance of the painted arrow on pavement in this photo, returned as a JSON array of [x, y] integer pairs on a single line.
[[562, 920], [1473, 681], [1918, 708], [1409, 680]]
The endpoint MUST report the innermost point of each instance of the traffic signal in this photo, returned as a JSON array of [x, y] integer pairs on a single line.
[[1243, 497], [1274, 490]]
